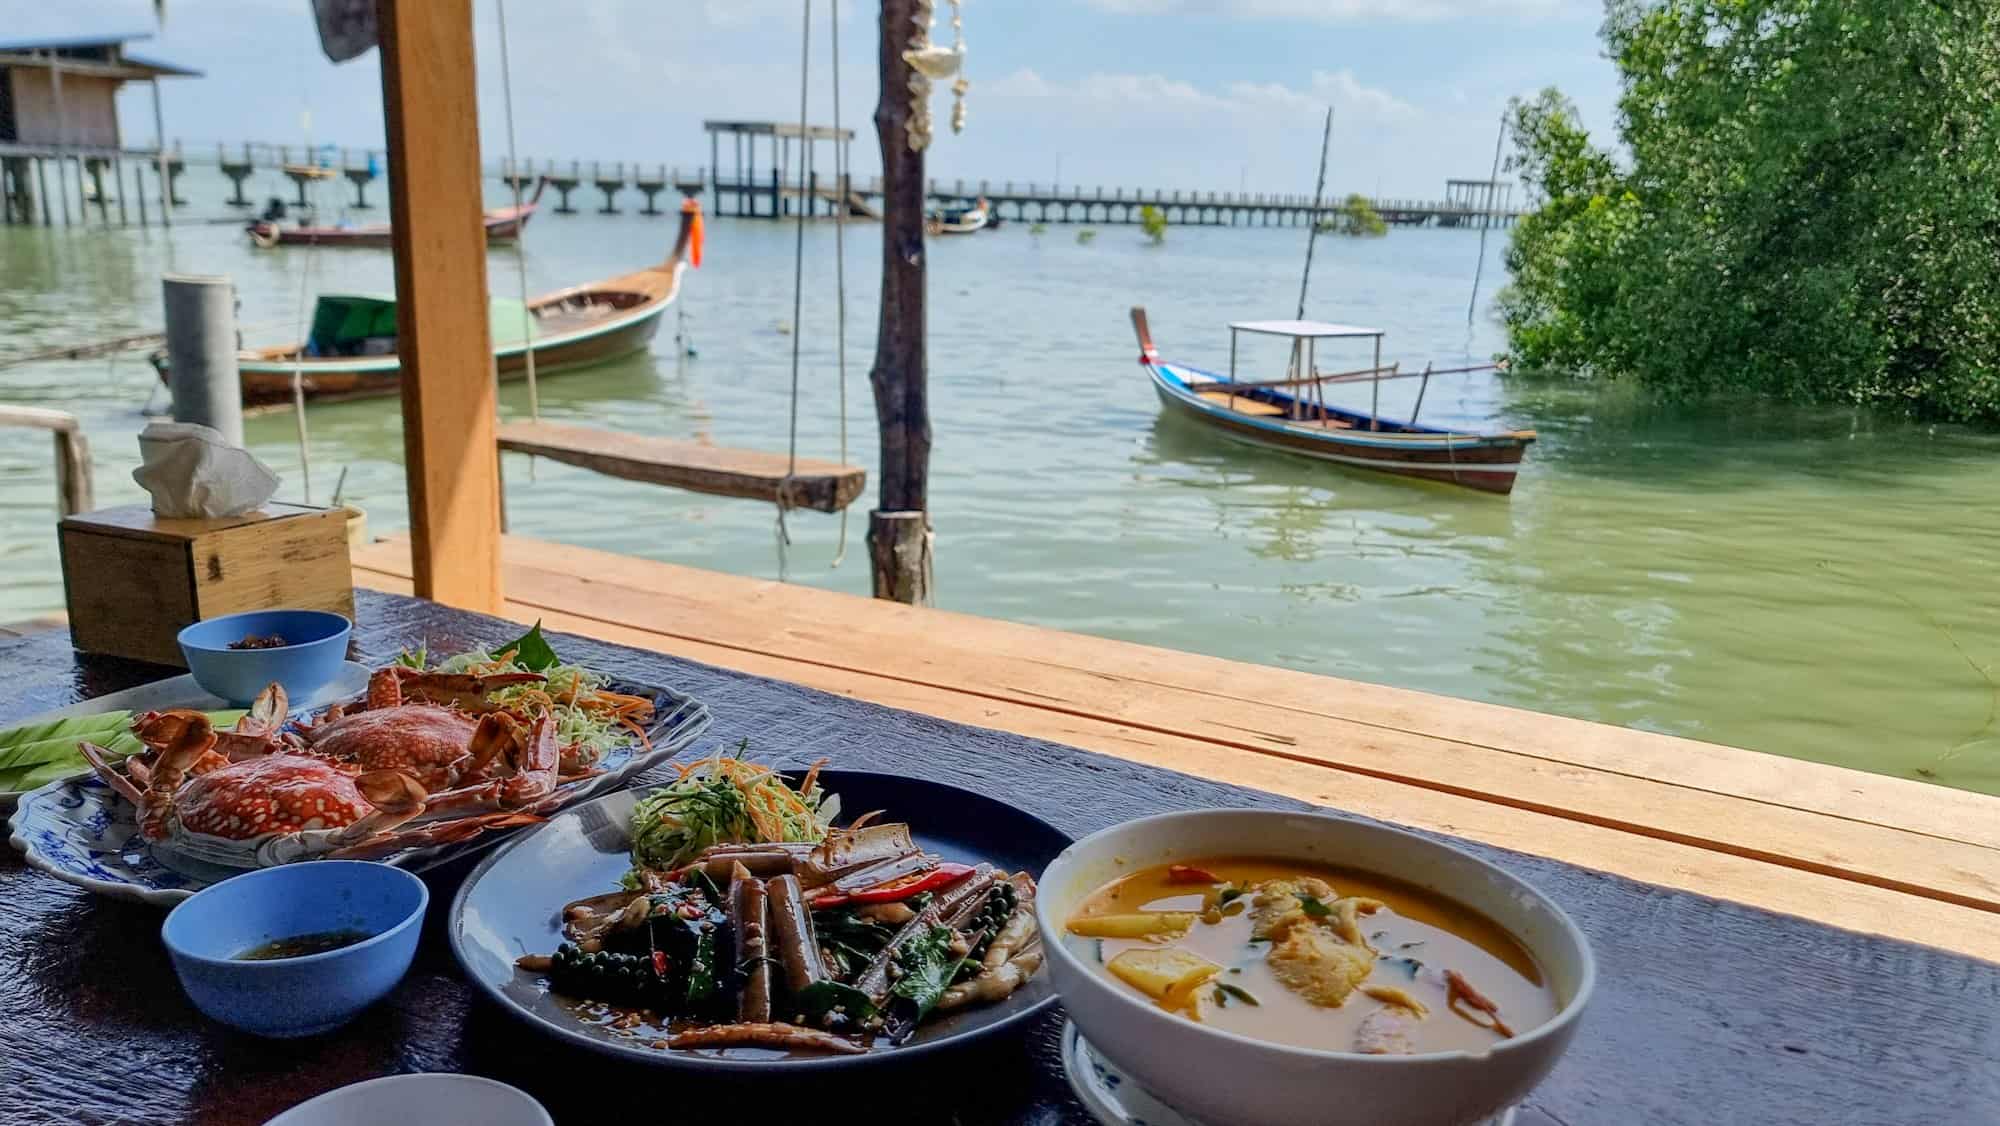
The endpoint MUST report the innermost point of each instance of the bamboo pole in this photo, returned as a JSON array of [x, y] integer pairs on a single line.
[[899, 533]]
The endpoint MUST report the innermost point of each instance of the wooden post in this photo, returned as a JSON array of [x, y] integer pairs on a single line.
[[450, 454], [899, 533]]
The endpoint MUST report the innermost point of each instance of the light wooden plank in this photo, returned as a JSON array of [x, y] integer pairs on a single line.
[[843, 632], [1681, 867], [431, 108], [751, 474], [1100, 667]]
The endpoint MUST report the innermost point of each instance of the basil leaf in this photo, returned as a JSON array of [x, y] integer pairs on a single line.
[[822, 997], [532, 651], [1312, 906], [1238, 992]]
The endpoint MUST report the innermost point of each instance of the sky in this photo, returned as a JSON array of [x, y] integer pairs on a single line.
[[1189, 94]]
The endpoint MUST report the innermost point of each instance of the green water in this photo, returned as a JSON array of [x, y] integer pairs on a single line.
[[1815, 583]]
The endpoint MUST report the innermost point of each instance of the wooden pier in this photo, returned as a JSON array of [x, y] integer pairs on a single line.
[[1861, 851]]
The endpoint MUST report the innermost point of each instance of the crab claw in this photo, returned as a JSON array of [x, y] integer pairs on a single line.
[[397, 798], [267, 712], [521, 761], [397, 685]]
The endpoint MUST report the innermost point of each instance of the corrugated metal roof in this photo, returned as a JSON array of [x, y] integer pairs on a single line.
[[55, 42], [170, 69]]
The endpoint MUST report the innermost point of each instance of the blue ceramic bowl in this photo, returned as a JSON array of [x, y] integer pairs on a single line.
[[209, 932], [311, 661]]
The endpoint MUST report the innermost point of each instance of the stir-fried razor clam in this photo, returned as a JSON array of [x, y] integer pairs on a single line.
[[826, 947]]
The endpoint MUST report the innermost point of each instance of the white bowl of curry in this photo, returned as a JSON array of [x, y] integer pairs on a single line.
[[1298, 969]]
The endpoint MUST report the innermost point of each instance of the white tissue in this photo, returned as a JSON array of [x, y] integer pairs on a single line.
[[193, 471]]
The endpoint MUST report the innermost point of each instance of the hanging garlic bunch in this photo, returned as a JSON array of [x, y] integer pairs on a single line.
[[929, 63]]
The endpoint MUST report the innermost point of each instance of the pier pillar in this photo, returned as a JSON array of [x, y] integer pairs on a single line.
[[563, 186], [95, 167], [201, 352], [654, 186], [360, 178], [237, 171], [139, 190], [610, 186]]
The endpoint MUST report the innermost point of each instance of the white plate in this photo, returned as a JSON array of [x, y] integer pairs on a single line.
[[182, 692], [1115, 1099], [81, 832], [434, 1099]]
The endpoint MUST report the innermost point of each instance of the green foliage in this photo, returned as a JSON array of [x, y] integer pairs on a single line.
[[1153, 221], [1084, 236], [1809, 211], [1356, 218], [1038, 229]]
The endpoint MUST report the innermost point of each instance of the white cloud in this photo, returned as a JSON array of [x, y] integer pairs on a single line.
[[1156, 95], [1350, 11]]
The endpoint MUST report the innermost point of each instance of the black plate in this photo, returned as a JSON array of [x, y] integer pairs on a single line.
[[509, 905]]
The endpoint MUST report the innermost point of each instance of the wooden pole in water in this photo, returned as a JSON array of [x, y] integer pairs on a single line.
[[451, 452], [899, 533], [166, 181]]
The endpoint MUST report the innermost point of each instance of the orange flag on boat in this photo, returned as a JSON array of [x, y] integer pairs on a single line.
[[692, 207]]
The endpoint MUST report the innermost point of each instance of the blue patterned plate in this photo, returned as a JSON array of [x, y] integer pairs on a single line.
[[81, 832]]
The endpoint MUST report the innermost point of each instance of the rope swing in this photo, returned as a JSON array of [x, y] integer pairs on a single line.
[[840, 206], [520, 253]]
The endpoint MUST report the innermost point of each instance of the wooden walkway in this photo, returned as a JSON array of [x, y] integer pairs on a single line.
[[1856, 850], [824, 485]]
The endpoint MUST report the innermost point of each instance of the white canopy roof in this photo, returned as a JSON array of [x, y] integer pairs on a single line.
[[1303, 328]]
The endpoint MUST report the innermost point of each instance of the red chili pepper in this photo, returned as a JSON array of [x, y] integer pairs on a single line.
[[944, 875], [1189, 874], [659, 963]]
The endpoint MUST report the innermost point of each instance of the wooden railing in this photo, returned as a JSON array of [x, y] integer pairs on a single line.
[[73, 479]]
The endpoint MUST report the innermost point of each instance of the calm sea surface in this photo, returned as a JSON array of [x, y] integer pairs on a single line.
[[1816, 583]]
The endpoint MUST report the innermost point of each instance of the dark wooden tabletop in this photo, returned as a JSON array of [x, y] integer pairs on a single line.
[[1706, 1012]]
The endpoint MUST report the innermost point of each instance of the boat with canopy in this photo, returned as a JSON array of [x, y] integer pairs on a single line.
[[1293, 415]]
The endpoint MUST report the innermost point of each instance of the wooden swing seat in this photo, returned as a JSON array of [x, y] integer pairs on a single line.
[[680, 464]]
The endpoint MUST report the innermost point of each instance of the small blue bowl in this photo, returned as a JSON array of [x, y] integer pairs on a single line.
[[207, 934], [312, 658]]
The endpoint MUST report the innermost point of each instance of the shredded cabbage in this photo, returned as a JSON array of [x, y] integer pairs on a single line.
[[725, 800]]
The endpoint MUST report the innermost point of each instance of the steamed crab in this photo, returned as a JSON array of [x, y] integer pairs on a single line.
[[274, 805], [405, 770], [418, 722]]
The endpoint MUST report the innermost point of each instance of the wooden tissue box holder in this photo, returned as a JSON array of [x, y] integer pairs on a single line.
[[134, 580]]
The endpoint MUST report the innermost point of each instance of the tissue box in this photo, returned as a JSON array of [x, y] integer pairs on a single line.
[[134, 580]]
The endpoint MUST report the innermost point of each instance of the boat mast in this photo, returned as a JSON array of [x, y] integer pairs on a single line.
[[1312, 227]]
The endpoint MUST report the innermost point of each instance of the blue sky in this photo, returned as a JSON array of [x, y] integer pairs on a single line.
[[1159, 93]]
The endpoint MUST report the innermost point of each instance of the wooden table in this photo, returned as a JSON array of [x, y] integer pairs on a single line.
[[1707, 1012]]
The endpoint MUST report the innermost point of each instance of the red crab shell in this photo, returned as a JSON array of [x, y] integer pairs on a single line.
[[278, 793], [423, 740]]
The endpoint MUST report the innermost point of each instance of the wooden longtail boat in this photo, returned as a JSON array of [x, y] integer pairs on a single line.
[[1292, 414], [503, 224], [351, 349]]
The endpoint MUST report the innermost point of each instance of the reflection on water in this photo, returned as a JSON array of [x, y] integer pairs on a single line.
[[1808, 582]]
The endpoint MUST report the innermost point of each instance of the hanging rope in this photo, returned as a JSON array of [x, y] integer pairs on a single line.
[[839, 259], [798, 290], [1312, 233], [1491, 189], [520, 254], [311, 189]]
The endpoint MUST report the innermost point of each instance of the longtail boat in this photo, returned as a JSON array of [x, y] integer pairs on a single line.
[[350, 351], [503, 224], [1292, 414]]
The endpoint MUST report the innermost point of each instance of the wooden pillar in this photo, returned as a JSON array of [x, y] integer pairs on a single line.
[[899, 533], [450, 453]]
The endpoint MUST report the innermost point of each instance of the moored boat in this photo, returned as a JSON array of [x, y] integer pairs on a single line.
[[1292, 415], [502, 224], [957, 220], [350, 350]]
